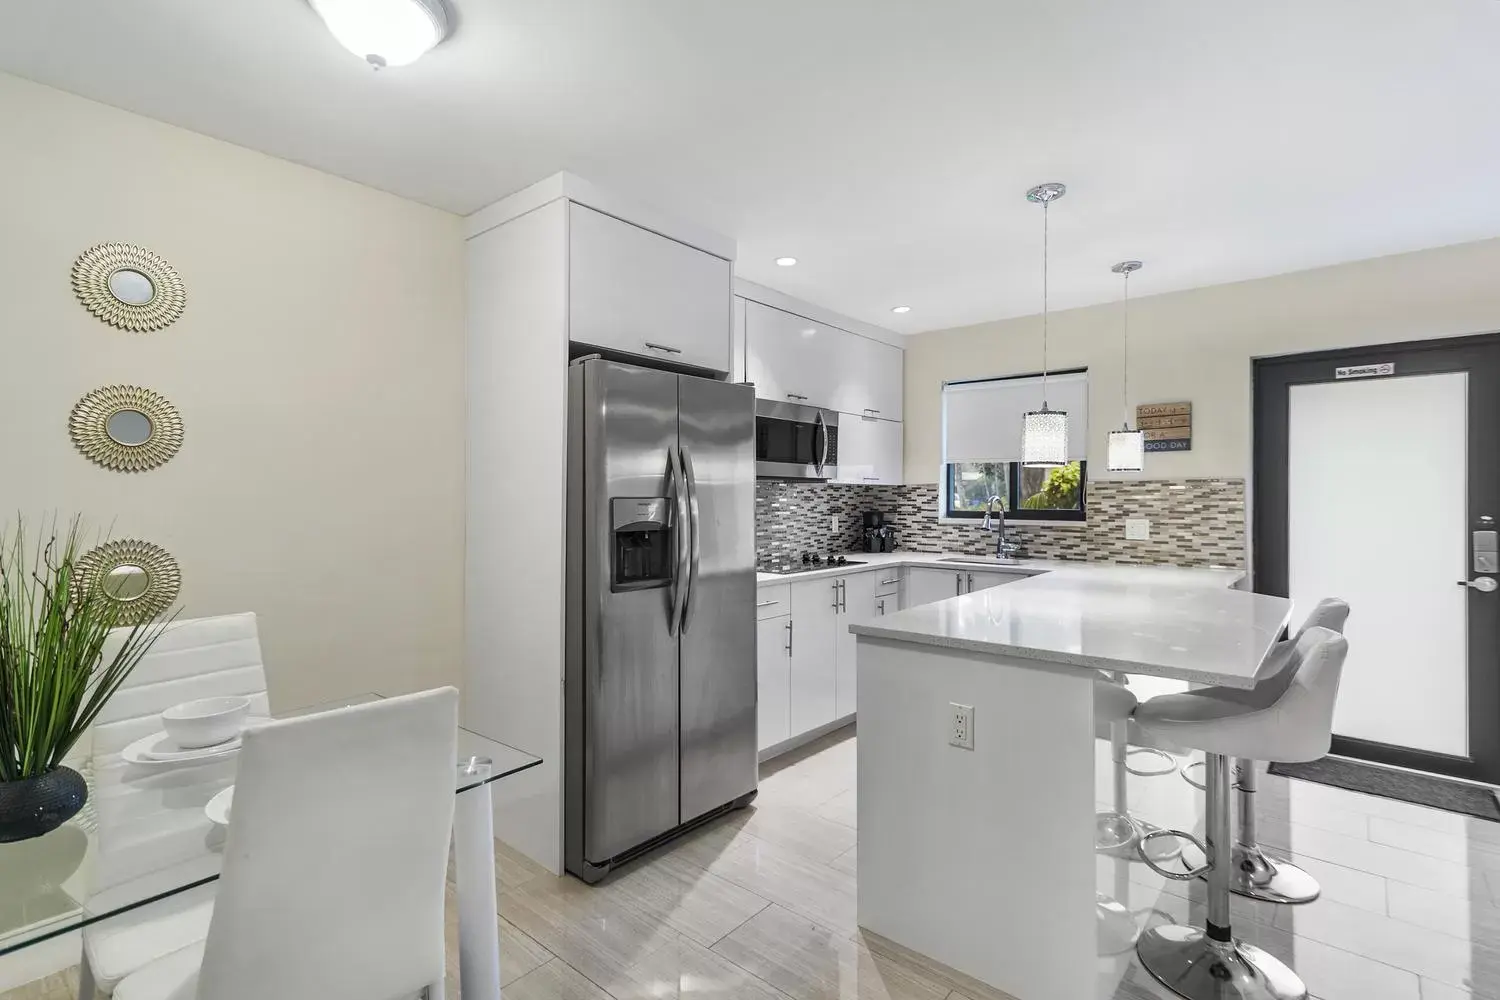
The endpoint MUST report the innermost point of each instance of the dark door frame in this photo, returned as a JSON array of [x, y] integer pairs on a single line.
[[1272, 381]]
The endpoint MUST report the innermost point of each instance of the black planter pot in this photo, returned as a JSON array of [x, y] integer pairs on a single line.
[[37, 806]]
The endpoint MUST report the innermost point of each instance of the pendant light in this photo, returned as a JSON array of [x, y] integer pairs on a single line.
[[1044, 432], [1127, 448]]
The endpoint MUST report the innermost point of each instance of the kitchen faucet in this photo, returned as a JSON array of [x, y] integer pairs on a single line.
[[991, 524]]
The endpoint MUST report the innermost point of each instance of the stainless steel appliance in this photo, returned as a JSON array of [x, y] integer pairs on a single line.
[[793, 441], [660, 682]]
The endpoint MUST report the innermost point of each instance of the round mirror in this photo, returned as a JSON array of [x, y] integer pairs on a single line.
[[126, 583], [131, 286], [129, 427]]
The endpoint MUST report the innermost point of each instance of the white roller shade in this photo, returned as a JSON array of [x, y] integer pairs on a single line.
[[982, 420]]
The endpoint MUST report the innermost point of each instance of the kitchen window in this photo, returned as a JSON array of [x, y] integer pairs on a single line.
[[982, 445], [1025, 494]]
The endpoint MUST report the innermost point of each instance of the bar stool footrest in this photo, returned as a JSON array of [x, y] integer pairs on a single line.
[[1182, 876]]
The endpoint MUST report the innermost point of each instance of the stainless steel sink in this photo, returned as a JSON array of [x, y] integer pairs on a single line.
[[980, 560]]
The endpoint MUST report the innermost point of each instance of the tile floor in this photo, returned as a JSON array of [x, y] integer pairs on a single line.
[[760, 905]]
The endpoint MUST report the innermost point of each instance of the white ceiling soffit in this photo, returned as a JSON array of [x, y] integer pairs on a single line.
[[885, 144]]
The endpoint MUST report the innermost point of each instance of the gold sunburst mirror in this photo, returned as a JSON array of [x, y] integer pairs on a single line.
[[129, 287], [126, 428], [140, 578]]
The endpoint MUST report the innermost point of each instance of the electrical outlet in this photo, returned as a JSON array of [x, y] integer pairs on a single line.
[[961, 727], [1137, 529], [834, 525]]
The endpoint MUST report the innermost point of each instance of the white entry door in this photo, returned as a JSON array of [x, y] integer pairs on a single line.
[[1377, 490]]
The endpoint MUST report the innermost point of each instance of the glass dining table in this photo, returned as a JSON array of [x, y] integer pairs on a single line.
[[150, 835]]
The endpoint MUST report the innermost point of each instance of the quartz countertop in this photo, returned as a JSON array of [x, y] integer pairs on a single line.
[[871, 561], [1185, 624]]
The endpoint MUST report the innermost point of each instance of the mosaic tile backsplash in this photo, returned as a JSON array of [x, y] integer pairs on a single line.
[[1194, 522]]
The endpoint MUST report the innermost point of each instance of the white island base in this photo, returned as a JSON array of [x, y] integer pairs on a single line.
[[984, 859]]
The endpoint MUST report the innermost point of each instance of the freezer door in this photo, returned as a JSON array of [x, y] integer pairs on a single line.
[[626, 739], [716, 433]]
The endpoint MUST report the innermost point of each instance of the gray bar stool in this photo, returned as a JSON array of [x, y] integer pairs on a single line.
[[1288, 717]]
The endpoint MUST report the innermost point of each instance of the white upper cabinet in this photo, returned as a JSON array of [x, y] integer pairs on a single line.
[[632, 290], [869, 450], [794, 359]]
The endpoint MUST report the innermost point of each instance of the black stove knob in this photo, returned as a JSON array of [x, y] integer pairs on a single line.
[[841, 560], [806, 558]]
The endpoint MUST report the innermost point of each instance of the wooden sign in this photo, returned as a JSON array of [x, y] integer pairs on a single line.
[[1168, 426]]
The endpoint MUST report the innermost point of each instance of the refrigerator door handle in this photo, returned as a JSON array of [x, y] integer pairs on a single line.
[[680, 537], [691, 601]]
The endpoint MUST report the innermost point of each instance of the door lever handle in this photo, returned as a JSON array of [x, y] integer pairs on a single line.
[[1484, 584]]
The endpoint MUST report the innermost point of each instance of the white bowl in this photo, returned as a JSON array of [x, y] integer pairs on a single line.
[[206, 722]]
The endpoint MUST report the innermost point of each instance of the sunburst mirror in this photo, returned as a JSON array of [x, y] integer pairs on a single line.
[[128, 287], [126, 428], [140, 578]]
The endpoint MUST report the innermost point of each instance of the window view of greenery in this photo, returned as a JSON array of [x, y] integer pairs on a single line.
[[971, 484]]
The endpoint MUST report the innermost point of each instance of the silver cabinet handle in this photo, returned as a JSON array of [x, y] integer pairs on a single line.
[[836, 594], [869, 410], [958, 583], [880, 606], [662, 347], [793, 395], [893, 580], [1483, 584], [871, 479], [788, 638], [766, 604], [844, 596], [971, 583]]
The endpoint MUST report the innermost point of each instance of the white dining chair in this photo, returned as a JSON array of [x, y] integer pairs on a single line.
[[334, 864], [138, 838]]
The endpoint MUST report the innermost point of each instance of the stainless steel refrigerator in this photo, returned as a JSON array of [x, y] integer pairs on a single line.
[[660, 678]]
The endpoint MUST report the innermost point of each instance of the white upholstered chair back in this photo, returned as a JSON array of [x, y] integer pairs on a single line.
[[194, 658], [336, 857], [146, 819]]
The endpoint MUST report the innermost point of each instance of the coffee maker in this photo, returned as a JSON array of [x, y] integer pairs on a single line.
[[878, 536]]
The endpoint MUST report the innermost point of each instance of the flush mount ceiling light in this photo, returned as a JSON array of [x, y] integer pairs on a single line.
[[900, 309], [786, 261], [385, 32], [1127, 448], [1044, 432]]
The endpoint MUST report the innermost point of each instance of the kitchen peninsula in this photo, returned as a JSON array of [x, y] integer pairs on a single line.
[[983, 857]]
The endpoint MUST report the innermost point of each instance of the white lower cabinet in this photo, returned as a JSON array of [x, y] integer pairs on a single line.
[[814, 687], [773, 669], [856, 605], [926, 584]]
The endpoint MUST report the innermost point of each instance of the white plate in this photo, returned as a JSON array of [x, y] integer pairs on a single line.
[[158, 750], [217, 809]]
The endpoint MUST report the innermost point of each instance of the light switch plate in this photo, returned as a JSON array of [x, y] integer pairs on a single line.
[[1137, 529]]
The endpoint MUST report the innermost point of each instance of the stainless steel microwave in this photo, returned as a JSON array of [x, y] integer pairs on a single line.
[[793, 441]]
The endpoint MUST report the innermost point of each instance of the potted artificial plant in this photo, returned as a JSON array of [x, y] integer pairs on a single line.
[[58, 667]]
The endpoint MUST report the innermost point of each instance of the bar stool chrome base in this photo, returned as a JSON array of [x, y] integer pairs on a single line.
[[1190, 964], [1117, 834], [1276, 881]]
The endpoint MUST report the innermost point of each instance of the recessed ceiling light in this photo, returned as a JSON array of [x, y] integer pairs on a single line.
[[385, 32], [900, 309], [786, 261]]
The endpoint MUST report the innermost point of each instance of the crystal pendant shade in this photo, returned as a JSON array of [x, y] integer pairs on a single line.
[[1044, 438], [1127, 450]]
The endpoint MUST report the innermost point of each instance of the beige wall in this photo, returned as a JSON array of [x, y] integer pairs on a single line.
[[318, 368], [1197, 345]]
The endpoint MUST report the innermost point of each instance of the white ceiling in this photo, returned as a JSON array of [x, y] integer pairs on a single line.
[[887, 144]]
